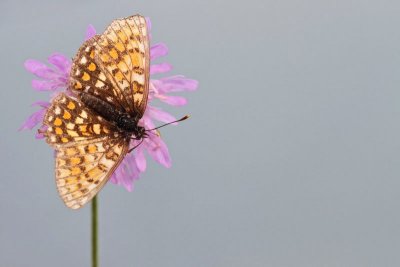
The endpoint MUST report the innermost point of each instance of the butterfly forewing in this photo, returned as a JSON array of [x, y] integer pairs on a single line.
[[123, 52], [87, 76]]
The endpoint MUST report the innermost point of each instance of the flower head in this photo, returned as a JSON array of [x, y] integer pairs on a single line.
[[56, 77]]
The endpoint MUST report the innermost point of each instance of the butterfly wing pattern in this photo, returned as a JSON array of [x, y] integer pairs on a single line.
[[113, 67], [88, 149], [87, 76], [123, 50]]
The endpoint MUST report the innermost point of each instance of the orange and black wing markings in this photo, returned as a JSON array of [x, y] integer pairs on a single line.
[[83, 169], [88, 149], [123, 53], [87, 76], [69, 121]]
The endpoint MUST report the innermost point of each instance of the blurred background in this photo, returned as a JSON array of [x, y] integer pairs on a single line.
[[291, 156]]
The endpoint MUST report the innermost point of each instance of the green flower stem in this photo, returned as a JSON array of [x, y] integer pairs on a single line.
[[94, 233]]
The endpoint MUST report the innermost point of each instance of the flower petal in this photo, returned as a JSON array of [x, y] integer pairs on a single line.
[[158, 50], [120, 171], [140, 159], [146, 121], [61, 62], [45, 85], [174, 100], [160, 68], [43, 104], [126, 173], [33, 120], [128, 185], [176, 84], [90, 32], [158, 150], [40, 69], [160, 115], [126, 180], [40, 133], [133, 171]]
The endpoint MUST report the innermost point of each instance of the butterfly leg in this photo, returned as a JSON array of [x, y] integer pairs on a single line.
[[130, 150]]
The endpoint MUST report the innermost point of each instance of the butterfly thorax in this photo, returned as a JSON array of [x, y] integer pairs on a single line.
[[121, 119]]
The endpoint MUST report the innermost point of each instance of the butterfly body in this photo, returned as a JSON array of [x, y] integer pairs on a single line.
[[125, 122]]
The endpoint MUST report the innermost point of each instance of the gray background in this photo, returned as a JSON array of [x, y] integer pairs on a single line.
[[291, 157]]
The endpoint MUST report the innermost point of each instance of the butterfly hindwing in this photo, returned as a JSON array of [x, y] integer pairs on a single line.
[[123, 53], [88, 149], [83, 169]]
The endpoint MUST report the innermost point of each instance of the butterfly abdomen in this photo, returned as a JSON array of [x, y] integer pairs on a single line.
[[107, 111]]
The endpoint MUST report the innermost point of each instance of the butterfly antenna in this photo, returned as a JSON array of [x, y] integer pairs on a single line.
[[181, 119]]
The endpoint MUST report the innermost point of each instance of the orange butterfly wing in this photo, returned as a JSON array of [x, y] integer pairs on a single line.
[[88, 149]]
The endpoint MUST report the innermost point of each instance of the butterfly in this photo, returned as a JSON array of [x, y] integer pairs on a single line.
[[92, 124]]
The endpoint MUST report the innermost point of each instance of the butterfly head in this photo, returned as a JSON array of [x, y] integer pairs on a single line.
[[140, 133]]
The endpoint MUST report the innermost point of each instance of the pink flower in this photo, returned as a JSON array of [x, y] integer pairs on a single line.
[[51, 78], [36, 118], [161, 88], [55, 78]]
